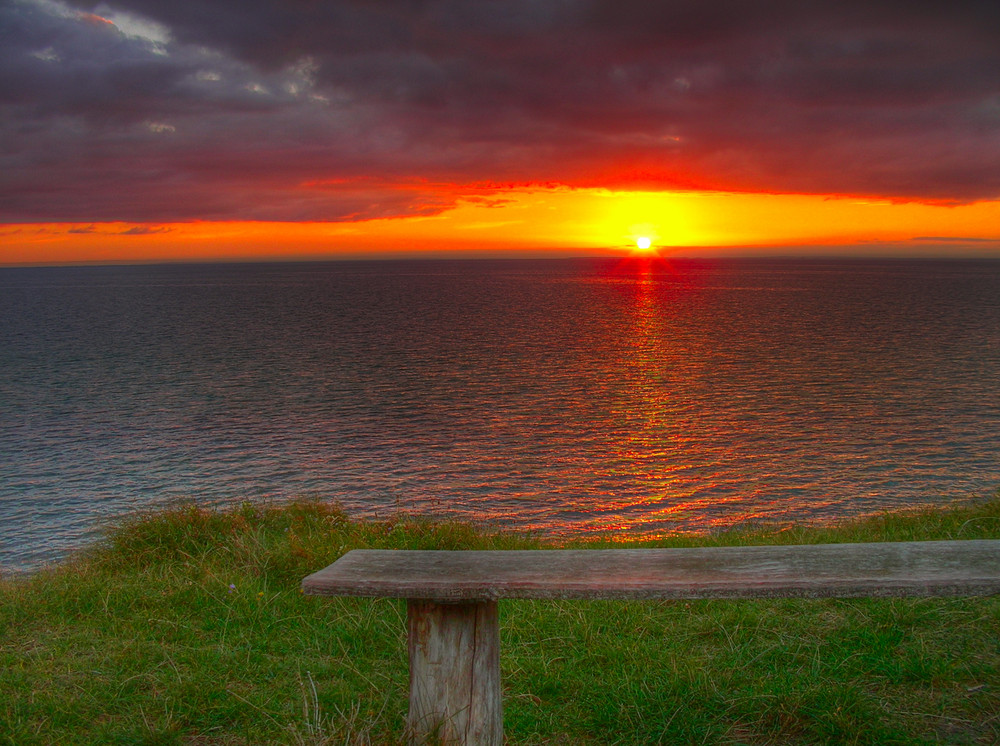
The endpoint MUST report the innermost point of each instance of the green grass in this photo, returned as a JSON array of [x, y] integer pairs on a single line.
[[188, 627]]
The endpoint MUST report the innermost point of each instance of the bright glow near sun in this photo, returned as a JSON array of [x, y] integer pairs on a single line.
[[643, 242], [571, 222]]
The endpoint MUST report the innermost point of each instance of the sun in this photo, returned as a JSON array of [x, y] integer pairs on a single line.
[[643, 242]]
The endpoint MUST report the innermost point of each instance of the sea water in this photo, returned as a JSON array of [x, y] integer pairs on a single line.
[[631, 396]]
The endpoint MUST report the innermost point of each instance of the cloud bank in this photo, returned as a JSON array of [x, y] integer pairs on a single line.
[[287, 110]]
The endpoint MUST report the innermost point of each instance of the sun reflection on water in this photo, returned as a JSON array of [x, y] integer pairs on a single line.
[[650, 447]]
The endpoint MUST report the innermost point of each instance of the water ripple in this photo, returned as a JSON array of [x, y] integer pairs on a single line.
[[562, 397]]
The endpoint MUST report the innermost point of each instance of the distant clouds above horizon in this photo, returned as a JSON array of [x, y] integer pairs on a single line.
[[299, 110]]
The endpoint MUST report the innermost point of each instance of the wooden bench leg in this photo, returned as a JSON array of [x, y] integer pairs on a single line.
[[454, 673]]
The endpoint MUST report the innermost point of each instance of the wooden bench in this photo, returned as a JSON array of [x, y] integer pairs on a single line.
[[454, 644]]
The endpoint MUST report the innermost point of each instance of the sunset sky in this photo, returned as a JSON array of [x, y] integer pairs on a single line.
[[144, 130]]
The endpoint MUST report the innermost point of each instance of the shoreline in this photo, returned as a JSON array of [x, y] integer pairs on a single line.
[[593, 537]]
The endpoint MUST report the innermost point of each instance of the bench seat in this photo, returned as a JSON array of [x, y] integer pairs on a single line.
[[925, 568]]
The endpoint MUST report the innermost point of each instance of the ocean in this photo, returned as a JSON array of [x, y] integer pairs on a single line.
[[635, 397]]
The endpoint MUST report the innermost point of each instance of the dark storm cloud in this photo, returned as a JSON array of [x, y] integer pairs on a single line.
[[297, 109]]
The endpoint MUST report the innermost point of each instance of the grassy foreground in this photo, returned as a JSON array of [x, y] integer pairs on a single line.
[[188, 627]]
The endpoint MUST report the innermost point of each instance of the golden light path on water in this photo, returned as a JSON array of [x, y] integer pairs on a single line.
[[654, 451]]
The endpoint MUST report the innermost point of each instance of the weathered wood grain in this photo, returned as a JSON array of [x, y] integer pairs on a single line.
[[454, 654], [929, 568]]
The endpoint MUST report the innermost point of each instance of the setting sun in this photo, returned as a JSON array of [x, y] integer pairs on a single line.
[[643, 242]]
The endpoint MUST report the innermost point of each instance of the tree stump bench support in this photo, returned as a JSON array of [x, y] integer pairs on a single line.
[[453, 629]]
